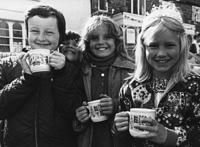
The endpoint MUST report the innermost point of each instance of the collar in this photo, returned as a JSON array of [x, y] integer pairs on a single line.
[[119, 63]]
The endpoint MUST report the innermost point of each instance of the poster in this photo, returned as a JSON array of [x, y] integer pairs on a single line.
[[130, 36]]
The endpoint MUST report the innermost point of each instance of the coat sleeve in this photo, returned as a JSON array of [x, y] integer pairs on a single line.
[[124, 105], [14, 93], [65, 90], [189, 132]]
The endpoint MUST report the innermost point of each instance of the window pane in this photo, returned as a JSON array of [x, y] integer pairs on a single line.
[[17, 40], [17, 30], [17, 33], [142, 7], [4, 41], [4, 37], [3, 25], [17, 26], [103, 4], [4, 48], [4, 32], [135, 6], [128, 4]]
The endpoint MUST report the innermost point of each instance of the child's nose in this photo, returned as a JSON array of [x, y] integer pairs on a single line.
[[101, 39], [161, 50], [41, 36]]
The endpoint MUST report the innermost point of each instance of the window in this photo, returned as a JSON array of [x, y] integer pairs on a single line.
[[94, 4], [196, 13], [4, 37], [136, 6], [17, 37], [103, 5], [142, 7]]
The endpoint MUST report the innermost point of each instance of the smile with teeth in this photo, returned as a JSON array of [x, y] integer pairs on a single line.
[[162, 61], [43, 44], [102, 48]]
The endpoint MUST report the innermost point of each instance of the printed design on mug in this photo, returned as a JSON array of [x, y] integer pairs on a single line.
[[96, 111], [38, 59], [136, 119]]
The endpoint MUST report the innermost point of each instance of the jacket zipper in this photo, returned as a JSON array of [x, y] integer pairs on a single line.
[[36, 141], [35, 119]]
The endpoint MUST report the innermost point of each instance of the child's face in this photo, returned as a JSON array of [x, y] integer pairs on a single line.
[[162, 50], [43, 32], [101, 43], [70, 50]]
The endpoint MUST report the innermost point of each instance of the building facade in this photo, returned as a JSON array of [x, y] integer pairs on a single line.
[[129, 14], [12, 27]]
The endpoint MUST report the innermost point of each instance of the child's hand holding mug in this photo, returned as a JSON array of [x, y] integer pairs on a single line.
[[82, 113]]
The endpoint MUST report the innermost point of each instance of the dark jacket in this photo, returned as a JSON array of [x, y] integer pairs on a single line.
[[118, 71], [38, 109]]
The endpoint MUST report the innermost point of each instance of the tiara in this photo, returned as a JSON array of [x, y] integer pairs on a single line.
[[169, 11]]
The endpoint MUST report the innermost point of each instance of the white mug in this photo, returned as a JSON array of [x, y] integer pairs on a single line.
[[39, 60], [95, 111], [136, 114]]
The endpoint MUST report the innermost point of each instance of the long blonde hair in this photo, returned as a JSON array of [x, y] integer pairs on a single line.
[[143, 70]]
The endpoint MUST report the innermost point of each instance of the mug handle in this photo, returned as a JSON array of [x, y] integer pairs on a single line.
[[129, 114], [88, 110]]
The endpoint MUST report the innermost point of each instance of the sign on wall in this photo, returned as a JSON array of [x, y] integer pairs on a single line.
[[189, 28], [196, 13], [130, 36]]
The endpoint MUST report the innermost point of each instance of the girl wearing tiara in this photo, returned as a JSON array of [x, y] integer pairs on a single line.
[[162, 81]]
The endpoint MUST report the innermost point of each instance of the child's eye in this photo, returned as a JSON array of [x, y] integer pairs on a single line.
[[108, 36], [170, 45], [34, 31], [49, 33], [152, 46], [94, 38]]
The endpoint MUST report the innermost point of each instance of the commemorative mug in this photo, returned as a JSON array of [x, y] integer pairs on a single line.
[[135, 117], [39, 60], [95, 111]]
